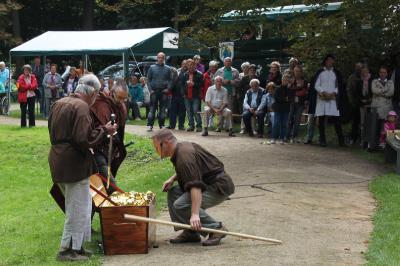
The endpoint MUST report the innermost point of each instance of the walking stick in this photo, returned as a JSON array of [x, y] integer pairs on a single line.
[[110, 153], [203, 229]]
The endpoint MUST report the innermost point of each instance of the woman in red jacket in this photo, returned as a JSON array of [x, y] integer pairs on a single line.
[[27, 85]]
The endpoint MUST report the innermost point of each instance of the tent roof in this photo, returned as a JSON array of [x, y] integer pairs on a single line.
[[140, 41], [273, 12]]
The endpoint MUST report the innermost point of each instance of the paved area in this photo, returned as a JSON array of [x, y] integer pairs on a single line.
[[315, 200]]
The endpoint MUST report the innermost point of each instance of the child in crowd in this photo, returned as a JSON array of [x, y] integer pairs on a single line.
[[270, 101], [390, 125], [281, 109]]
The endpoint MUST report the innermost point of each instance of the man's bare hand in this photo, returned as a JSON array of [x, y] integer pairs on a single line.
[[167, 185], [195, 222], [111, 129], [251, 110]]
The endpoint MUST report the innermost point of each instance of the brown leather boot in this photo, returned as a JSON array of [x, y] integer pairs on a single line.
[[187, 236], [214, 239]]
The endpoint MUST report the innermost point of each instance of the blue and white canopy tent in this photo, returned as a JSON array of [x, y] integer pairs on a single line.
[[135, 42]]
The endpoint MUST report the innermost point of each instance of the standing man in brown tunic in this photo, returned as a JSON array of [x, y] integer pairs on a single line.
[[101, 111], [202, 184], [72, 134]]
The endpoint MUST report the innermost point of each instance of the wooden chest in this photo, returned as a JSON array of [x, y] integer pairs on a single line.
[[121, 236]]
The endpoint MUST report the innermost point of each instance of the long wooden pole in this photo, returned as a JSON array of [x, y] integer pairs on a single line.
[[203, 229]]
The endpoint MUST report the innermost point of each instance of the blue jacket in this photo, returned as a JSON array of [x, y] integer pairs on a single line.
[[159, 77], [136, 92]]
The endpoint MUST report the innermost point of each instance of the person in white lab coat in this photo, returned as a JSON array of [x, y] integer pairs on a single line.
[[329, 89]]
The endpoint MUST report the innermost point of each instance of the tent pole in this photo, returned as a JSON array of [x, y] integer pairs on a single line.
[[86, 63], [125, 63], [9, 83]]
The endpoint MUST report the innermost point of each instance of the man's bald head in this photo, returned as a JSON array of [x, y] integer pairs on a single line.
[[163, 135], [164, 142]]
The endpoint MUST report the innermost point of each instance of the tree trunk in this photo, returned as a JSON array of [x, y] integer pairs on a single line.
[[16, 27], [88, 15], [177, 10]]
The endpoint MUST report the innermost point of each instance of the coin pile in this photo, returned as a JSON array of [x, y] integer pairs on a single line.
[[133, 198]]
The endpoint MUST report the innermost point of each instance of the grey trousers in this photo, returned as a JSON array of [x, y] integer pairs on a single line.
[[180, 207], [226, 115], [78, 208]]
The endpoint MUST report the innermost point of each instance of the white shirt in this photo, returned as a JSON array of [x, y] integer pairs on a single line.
[[326, 82], [29, 93], [70, 85], [216, 97]]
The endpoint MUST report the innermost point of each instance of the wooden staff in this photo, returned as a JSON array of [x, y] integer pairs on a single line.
[[203, 229], [110, 153]]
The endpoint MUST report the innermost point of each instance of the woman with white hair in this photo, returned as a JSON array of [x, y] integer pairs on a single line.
[[27, 85], [71, 163], [245, 69], [275, 75]]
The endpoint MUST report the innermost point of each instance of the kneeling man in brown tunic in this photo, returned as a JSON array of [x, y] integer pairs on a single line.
[[72, 134], [202, 184]]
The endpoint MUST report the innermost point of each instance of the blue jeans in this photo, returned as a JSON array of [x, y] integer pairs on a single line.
[[280, 125], [296, 110], [271, 118], [158, 100], [192, 109], [177, 109]]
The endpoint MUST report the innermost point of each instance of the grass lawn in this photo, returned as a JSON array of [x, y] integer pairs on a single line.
[[384, 245], [30, 222]]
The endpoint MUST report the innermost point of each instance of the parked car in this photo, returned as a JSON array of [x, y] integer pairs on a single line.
[[116, 70]]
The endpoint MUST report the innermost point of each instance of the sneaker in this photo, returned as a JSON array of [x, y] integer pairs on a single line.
[[190, 129], [231, 134], [198, 129], [187, 236], [217, 129], [251, 134], [214, 239], [322, 144], [242, 131], [149, 128], [291, 141], [308, 142], [181, 128], [281, 142], [254, 132], [71, 255], [138, 119], [271, 141]]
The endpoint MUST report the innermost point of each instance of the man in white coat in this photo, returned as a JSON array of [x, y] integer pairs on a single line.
[[329, 88]]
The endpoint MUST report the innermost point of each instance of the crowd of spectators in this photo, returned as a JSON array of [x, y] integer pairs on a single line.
[[214, 97]]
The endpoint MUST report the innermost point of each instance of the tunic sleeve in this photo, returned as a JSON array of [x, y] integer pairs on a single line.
[[83, 135], [189, 174]]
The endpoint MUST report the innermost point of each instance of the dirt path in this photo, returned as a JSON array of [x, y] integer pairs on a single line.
[[320, 224]]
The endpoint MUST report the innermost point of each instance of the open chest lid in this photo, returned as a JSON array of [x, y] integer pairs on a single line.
[[98, 190]]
